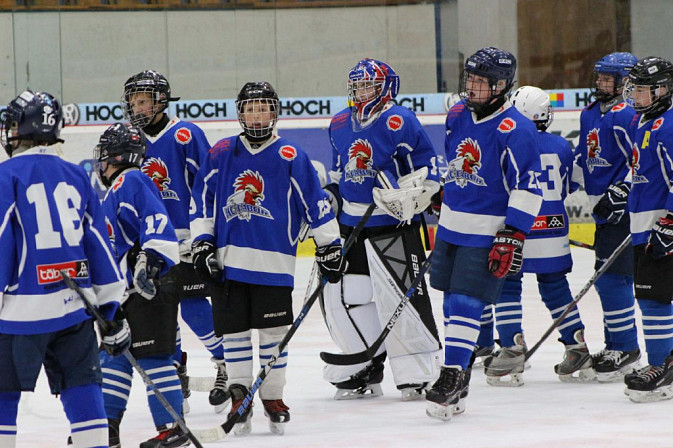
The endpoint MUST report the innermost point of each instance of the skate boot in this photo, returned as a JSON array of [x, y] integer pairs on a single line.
[[278, 414], [244, 424], [653, 383], [168, 438], [445, 394], [576, 359], [482, 354], [614, 364], [464, 391], [219, 397], [184, 382], [113, 432], [412, 391], [507, 364], [364, 384]]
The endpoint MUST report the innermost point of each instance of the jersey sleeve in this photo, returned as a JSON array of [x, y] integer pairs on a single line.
[[202, 209], [337, 168], [197, 151], [415, 149], [8, 261]]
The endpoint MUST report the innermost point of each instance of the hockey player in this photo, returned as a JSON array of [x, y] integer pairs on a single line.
[[648, 89], [547, 254], [52, 220], [603, 153], [251, 195], [175, 150], [145, 246], [380, 153], [490, 202]]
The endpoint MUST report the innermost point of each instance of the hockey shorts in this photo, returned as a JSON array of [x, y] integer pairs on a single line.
[[653, 279], [183, 281], [606, 240], [69, 356], [241, 306], [153, 324]]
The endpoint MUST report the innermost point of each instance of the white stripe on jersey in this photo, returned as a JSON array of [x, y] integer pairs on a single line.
[[470, 223], [166, 248], [31, 307], [546, 247], [644, 221], [526, 202], [359, 209], [258, 260]]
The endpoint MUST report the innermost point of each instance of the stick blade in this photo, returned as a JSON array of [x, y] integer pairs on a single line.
[[501, 367], [346, 359], [209, 435]]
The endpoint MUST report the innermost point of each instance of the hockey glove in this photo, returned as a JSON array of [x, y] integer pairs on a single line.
[[506, 256], [117, 339], [612, 206], [660, 243], [436, 200], [147, 268], [205, 261], [331, 262]]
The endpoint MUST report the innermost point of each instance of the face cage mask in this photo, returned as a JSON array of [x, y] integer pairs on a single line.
[[257, 130], [368, 104], [602, 95], [492, 87], [141, 120], [659, 102]]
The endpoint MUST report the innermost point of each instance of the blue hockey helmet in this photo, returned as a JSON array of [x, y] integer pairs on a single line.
[[653, 75], [31, 116], [156, 87], [371, 84], [497, 66], [616, 65], [121, 145]]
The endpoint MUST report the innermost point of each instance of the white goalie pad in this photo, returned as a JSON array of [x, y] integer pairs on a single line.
[[398, 197]]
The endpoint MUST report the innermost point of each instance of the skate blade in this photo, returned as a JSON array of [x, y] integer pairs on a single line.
[[583, 376], [439, 411], [511, 380], [639, 396], [460, 406], [201, 383], [219, 408], [371, 391], [185, 406], [412, 394], [277, 428], [243, 429]]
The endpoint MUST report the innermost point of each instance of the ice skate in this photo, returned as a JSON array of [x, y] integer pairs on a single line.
[[244, 425], [219, 396], [464, 391], [612, 365], [167, 438], [184, 382], [445, 394], [577, 365], [364, 384], [113, 432], [413, 392], [507, 364], [651, 384], [482, 354], [278, 414]]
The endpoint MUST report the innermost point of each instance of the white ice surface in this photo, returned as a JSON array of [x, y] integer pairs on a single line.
[[544, 413]]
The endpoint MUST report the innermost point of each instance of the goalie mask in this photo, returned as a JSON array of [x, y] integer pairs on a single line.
[[648, 89], [120, 145], [257, 107], [609, 75], [534, 104], [146, 95], [487, 75], [371, 84], [31, 116]]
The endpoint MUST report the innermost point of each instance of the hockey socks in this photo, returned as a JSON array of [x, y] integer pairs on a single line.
[[163, 374], [616, 294], [83, 405], [9, 408], [657, 329], [198, 314], [462, 322], [556, 296], [508, 311]]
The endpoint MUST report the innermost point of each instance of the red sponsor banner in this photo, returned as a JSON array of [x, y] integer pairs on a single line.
[[51, 273]]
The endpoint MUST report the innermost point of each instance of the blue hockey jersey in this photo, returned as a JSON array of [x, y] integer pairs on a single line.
[[136, 214], [491, 178], [51, 220], [251, 202], [395, 142], [652, 177], [172, 160], [604, 149], [547, 249]]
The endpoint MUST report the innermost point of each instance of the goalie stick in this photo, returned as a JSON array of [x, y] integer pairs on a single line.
[[221, 431], [105, 326], [519, 361]]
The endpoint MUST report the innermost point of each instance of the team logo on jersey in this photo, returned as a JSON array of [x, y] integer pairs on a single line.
[[247, 198], [547, 222], [618, 107], [183, 136], [464, 168], [657, 123], [395, 122], [594, 151], [635, 166], [360, 162], [507, 125], [51, 273], [118, 183], [288, 152], [156, 170]]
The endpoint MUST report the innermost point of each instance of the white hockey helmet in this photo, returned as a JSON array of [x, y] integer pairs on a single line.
[[534, 104]]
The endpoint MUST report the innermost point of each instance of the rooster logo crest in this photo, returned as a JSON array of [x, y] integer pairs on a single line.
[[635, 177], [594, 151], [360, 160], [157, 171], [247, 198], [464, 168]]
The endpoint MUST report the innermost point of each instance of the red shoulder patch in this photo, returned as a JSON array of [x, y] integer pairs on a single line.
[[288, 152], [507, 125], [395, 122], [657, 123], [118, 183], [618, 107], [183, 136]]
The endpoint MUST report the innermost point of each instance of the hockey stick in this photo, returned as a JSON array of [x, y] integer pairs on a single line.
[[344, 359], [581, 244], [519, 361], [221, 431], [105, 326]]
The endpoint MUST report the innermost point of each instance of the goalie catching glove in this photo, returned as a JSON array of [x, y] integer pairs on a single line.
[[406, 197], [506, 256], [331, 262], [147, 268], [205, 261], [660, 243], [612, 206]]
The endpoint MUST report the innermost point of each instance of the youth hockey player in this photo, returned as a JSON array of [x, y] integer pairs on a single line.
[[175, 150], [547, 254], [52, 220], [251, 195], [380, 153], [648, 89], [491, 200], [604, 154], [145, 246]]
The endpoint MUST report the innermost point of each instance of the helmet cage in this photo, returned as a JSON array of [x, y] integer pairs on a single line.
[[616, 65], [371, 84], [654, 75], [498, 67], [120, 145], [155, 87], [253, 118]]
